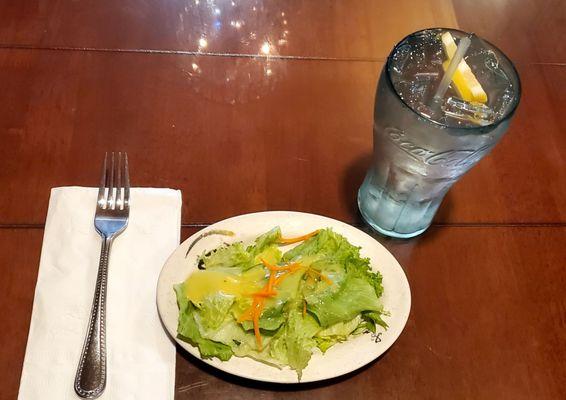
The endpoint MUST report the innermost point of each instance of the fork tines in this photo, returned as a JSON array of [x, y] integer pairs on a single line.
[[113, 194]]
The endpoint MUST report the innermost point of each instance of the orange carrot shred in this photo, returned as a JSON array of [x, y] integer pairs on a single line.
[[256, 309], [280, 278], [277, 268], [326, 279], [272, 267], [248, 314], [264, 293], [294, 266], [322, 276], [298, 238]]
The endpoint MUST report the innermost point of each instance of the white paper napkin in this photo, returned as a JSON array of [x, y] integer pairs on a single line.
[[141, 357]]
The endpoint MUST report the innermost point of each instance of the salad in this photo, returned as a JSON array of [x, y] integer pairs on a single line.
[[279, 307]]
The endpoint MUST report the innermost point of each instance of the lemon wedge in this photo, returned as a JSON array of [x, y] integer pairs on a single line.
[[465, 82]]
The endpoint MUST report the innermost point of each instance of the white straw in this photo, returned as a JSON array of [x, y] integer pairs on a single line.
[[458, 56]]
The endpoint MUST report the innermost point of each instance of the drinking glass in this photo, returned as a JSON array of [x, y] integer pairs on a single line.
[[417, 157]]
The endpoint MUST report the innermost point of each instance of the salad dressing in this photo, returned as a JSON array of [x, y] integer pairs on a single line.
[[200, 284]]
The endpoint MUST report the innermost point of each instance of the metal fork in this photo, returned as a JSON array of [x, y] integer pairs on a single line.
[[111, 218]]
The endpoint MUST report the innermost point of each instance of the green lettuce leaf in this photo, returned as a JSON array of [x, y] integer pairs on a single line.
[[360, 267], [324, 343], [188, 330], [376, 318], [325, 244], [213, 309], [293, 344], [229, 333], [341, 330], [329, 248], [356, 288], [237, 256], [271, 319], [271, 254], [338, 332], [265, 247], [264, 241], [278, 347], [228, 256], [299, 340], [241, 343], [354, 296]]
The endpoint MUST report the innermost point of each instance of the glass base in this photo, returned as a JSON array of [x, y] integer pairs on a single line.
[[389, 233]]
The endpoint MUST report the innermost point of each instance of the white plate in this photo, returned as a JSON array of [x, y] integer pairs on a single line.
[[339, 359]]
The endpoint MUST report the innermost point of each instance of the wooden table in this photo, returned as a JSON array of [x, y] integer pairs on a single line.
[[266, 105]]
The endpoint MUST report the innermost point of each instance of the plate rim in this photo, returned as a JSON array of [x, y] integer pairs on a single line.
[[223, 366]]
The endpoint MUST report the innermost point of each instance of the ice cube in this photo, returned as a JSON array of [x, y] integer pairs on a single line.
[[400, 57], [477, 113], [426, 76], [503, 102], [491, 62], [418, 56], [421, 83], [417, 89], [437, 57], [425, 110]]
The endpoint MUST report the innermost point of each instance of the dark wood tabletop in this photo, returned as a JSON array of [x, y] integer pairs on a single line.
[[267, 105]]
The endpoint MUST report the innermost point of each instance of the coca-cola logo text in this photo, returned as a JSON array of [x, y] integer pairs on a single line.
[[447, 158]]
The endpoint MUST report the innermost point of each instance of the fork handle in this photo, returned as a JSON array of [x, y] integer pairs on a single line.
[[90, 380]]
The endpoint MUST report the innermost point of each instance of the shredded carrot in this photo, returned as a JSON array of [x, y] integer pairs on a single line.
[[248, 314], [321, 275], [255, 311], [326, 279], [276, 268], [272, 267], [265, 293], [298, 238], [284, 275], [294, 266], [279, 279]]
